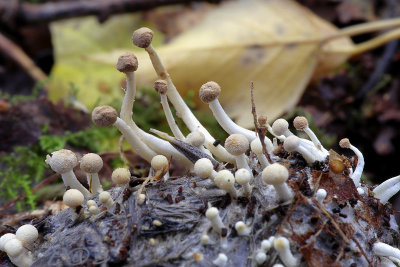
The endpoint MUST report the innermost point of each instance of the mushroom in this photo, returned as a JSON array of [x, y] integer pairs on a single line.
[[121, 176], [92, 207], [63, 162], [266, 245], [209, 93], [292, 144], [74, 199], [141, 199], [384, 250], [260, 257], [212, 215], [204, 169], [237, 145], [242, 228], [17, 253], [27, 234], [197, 139], [4, 239], [276, 175], [356, 175], [182, 109], [320, 195], [387, 189], [243, 177], [301, 124], [257, 149], [221, 260], [161, 87], [91, 164], [106, 199], [160, 163], [282, 246], [281, 127], [225, 180]]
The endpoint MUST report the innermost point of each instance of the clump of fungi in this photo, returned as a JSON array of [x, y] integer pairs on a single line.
[[250, 202]]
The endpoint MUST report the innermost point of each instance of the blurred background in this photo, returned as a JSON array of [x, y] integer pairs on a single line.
[[57, 61]]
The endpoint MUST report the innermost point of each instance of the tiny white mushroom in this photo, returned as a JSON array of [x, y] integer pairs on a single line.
[[243, 177], [91, 164], [360, 191], [242, 228], [356, 175], [27, 234], [63, 162], [141, 199], [260, 257], [257, 149], [205, 239], [276, 175], [212, 215], [197, 139], [281, 127], [221, 260], [320, 195], [93, 210], [4, 239], [121, 176], [282, 246], [387, 189], [14, 248], [209, 93], [159, 163], [204, 168], [266, 245], [292, 143], [225, 180], [385, 250], [106, 199], [237, 145], [301, 124], [73, 198]]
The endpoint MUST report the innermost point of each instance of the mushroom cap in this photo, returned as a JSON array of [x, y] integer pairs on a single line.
[[256, 146], [240, 226], [104, 197], [243, 176], [158, 162], [300, 123], [142, 37], [27, 234], [62, 161], [93, 209], [280, 126], [203, 168], [4, 239], [209, 91], [91, 203], [291, 143], [212, 213], [195, 138], [104, 116], [161, 86], [344, 143], [236, 144], [127, 63], [224, 179], [91, 163], [73, 198], [13, 248], [275, 174], [281, 244], [262, 120], [121, 176]]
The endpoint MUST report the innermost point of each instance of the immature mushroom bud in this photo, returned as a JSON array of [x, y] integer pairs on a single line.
[[243, 177], [257, 149], [158, 163], [266, 245], [106, 199], [121, 176], [73, 198], [320, 195], [4, 239], [260, 257], [209, 93], [281, 127], [27, 234], [104, 116], [276, 175], [225, 180], [387, 189], [142, 37], [301, 124], [204, 169], [242, 228], [63, 162], [212, 215], [141, 199], [221, 260], [292, 143], [161, 86], [14, 248], [356, 175], [127, 63], [91, 164], [237, 145], [282, 246], [92, 207]]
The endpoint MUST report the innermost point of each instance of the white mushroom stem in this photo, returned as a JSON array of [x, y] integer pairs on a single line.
[[221, 260], [282, 246], [301, 124], [292, 143], [183, 110], [387, 189], [257, 149], [94, 180], [170, 118], [241, 162], [356, 175], [385, 250], [226, 123], [212, 215], [320, 195], [385, 262], [283, 191]]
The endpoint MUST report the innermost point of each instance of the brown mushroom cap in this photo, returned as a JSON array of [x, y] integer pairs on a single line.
[[300, 123], [91, 163], [121, 176], [344, 143], [161, 86], [209, 92], [104, 116], [262, 120], [142, 37], [236, 144], [127, 63]]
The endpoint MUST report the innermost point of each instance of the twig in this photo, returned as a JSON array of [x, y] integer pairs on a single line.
[[27, 13], [261, 131]]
